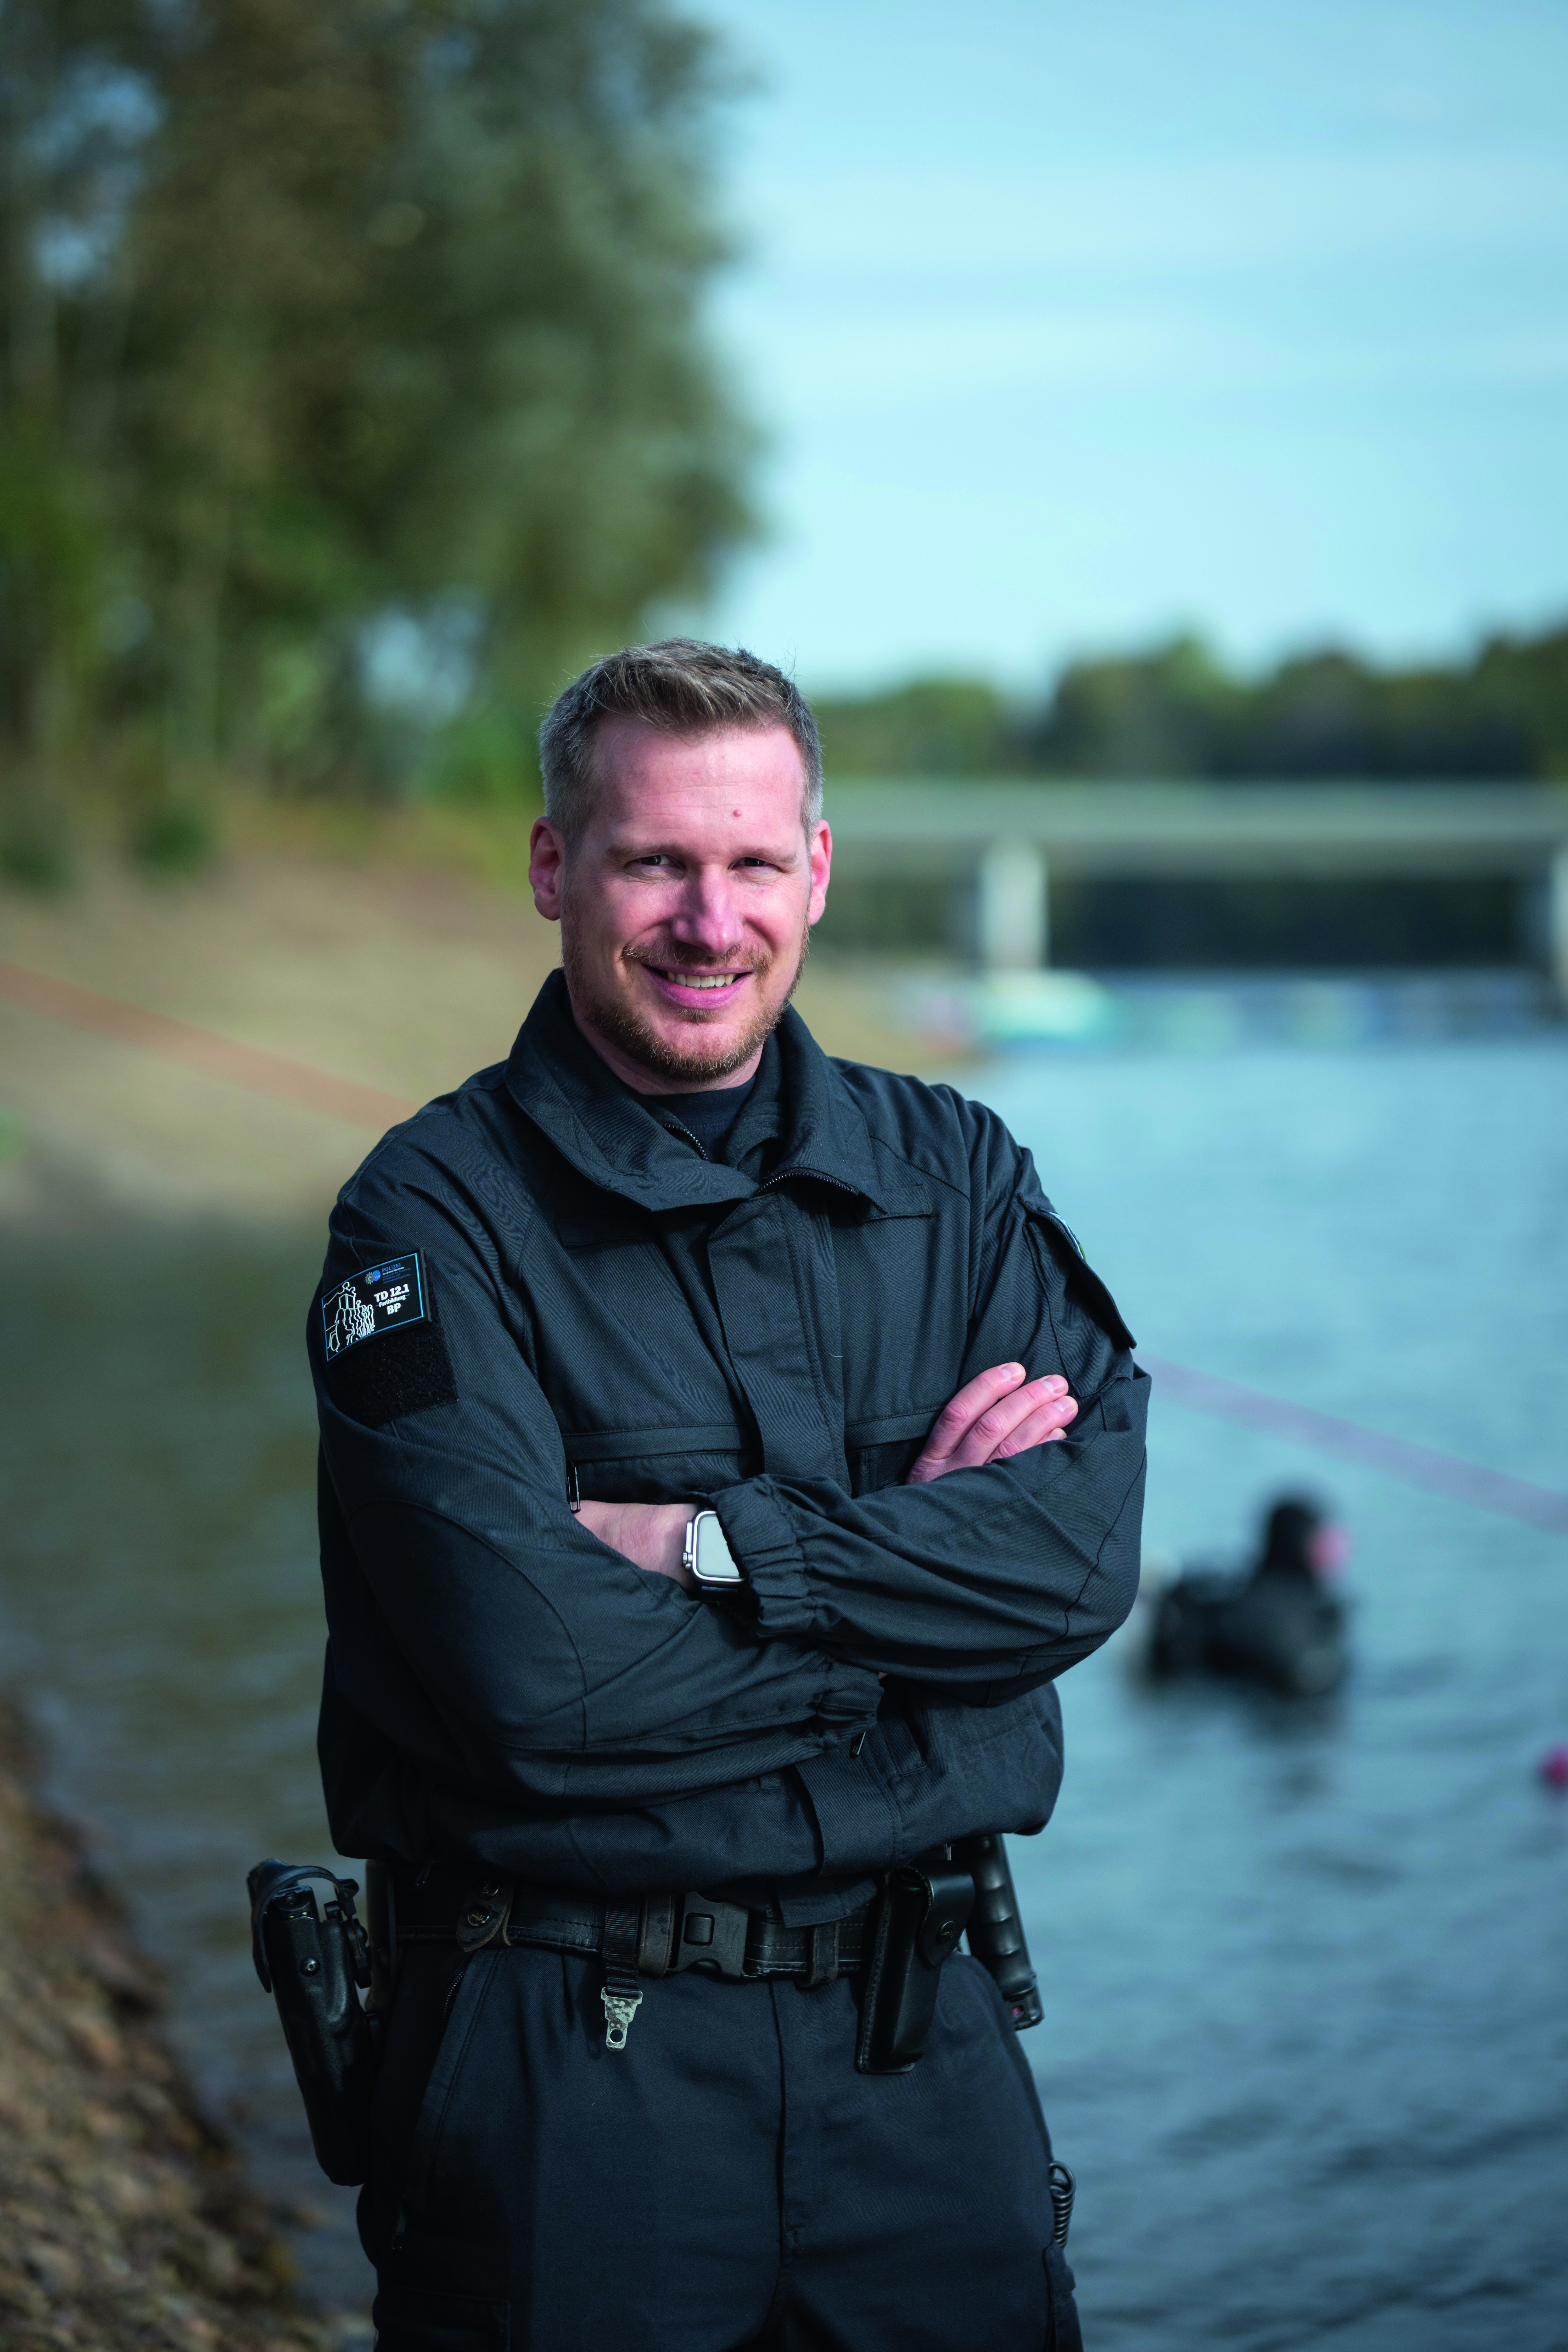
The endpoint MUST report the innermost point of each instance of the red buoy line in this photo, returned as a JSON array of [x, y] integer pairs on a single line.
[[253, 1067], [263, 1072]]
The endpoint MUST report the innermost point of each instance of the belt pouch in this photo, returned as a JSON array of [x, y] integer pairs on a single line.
[[920, 1914]]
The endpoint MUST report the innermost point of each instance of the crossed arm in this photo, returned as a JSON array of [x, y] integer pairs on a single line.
[[468, 1632], [999, 1414]]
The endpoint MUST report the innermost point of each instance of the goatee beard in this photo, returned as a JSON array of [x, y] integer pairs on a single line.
[[616, 1021]]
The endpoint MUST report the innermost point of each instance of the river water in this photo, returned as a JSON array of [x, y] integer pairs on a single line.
[[1306, 2040]]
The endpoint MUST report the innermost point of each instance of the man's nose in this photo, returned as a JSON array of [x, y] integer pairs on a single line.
[[705, 914]]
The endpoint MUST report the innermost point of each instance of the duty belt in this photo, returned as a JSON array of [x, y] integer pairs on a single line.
[[658, 1935]]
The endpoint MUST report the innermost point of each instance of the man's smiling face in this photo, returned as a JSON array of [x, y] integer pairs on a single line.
[[686, 907]]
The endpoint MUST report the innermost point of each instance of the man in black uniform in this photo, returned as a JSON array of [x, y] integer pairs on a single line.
[[723, 1449]]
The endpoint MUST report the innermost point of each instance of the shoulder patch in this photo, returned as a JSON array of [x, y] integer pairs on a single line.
[[383, 1297], [409, 1370]]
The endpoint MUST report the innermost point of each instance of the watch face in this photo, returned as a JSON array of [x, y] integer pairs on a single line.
[[714, 1563]]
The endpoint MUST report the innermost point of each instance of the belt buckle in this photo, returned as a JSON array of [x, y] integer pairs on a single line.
[[712, 1937]]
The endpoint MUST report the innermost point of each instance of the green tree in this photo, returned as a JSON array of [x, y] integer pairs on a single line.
[[1176, 711], [933, 727], [320, 311], [1169, 713], [71, 125], [1520, 687]]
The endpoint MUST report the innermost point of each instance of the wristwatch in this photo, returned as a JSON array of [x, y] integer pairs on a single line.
[[709, 1557]]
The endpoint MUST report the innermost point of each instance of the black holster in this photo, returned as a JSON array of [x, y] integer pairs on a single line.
[[922, 1911], [314, 1963]]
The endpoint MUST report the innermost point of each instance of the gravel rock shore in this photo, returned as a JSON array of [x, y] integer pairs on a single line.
[[125, 2218]]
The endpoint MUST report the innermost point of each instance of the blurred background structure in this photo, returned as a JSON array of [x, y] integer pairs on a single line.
[[1144, 430]]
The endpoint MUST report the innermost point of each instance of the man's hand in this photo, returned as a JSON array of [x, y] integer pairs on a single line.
[[651, 1535], [997, 1414]]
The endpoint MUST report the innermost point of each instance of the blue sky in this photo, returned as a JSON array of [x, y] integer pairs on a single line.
[[1074, 323]]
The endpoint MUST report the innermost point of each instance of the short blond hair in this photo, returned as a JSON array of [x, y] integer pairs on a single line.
[[683, 686]]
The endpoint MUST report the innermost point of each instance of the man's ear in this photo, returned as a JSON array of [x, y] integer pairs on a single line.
[[821, 864], [547, 868]]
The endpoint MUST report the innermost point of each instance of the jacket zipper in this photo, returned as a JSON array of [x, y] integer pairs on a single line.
[[675, 1127], [817, 1178]]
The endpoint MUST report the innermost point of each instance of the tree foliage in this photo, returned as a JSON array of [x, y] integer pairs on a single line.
[[1178, 712], [318, 314], [931, 726]]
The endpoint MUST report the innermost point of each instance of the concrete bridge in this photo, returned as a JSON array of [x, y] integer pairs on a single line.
[[1010, 838]]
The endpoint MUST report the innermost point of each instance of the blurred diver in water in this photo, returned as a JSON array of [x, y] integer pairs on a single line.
[[1278, 1624]]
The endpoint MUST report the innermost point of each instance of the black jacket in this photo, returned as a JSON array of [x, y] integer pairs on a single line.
[[590, 1294]]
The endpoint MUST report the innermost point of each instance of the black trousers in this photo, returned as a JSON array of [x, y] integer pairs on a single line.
[[728, 2179]]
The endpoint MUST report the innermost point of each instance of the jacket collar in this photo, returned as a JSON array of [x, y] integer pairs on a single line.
[[555, 1077]]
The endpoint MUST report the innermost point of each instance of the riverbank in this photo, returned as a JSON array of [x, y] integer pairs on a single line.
[[125, 2216]]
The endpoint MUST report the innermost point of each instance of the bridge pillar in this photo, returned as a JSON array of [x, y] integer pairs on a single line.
[[1557, 919], [1013, 914]]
